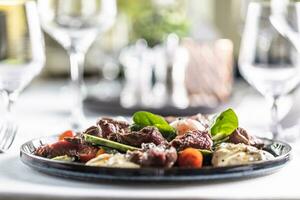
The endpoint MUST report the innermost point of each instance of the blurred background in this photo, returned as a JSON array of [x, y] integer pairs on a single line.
[[179, 55], [153, 20], [155, 33], [170, 57]]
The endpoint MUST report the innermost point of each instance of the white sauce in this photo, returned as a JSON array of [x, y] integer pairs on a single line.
[[228, 154], [112, 160]]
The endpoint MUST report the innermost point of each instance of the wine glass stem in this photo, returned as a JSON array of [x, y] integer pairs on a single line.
[[275, 122], [9, 100], [77, 62]]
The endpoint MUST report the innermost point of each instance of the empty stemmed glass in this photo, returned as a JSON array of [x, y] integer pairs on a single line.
[[75, 25], [21, 58], [268, 60]]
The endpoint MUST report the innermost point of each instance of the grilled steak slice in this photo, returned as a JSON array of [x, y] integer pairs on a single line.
[[152, 155], [93, 130], [119, 123], [196, 139], [240, 135], [81, 151], [109, 127], [148, 134], [119, 131]]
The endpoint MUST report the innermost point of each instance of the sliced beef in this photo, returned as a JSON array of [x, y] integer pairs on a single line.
[[119, 131], [116, 124], [195, 139], [81, 151], [121, 124], [240, 135], [148, 134], [109, 127], [76, 140], [152, 155], [93, 130]]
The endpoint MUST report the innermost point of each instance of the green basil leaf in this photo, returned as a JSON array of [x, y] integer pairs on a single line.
[[142, 119], [224, 124], [167, 131]]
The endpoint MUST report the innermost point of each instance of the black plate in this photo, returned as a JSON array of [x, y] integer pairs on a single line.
[[280, 150]]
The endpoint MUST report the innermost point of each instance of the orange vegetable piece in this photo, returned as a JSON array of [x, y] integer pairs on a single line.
[[100, 151], [191, 158], [68, 133]]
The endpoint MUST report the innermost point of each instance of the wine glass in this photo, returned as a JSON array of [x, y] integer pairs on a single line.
[[75, 25], [21, 58], [268, 60]]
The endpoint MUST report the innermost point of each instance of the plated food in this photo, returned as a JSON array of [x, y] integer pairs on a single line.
[[153, 141]]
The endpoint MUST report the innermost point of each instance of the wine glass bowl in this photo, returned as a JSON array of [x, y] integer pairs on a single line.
[[22, 46], [21, 58], [75, 25], [268, 60]]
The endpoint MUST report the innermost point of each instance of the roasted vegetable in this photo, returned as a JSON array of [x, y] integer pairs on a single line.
[[142, 119], [191, 158], [107, 143]]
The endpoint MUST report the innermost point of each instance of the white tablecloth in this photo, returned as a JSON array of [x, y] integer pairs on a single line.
[[42, 111]]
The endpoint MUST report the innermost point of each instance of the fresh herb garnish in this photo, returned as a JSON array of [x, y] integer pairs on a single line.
[[142, 119], [224, 125]]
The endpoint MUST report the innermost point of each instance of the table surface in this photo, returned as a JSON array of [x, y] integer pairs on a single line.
[[42, 110]]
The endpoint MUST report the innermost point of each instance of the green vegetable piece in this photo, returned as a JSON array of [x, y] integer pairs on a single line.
[[64, 158], [167, 131], [205, 152], [143, 119], [108, 143], [224, 125]]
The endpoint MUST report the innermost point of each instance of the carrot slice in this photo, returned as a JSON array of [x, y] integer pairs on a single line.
[[190, 158], [100, 151]]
